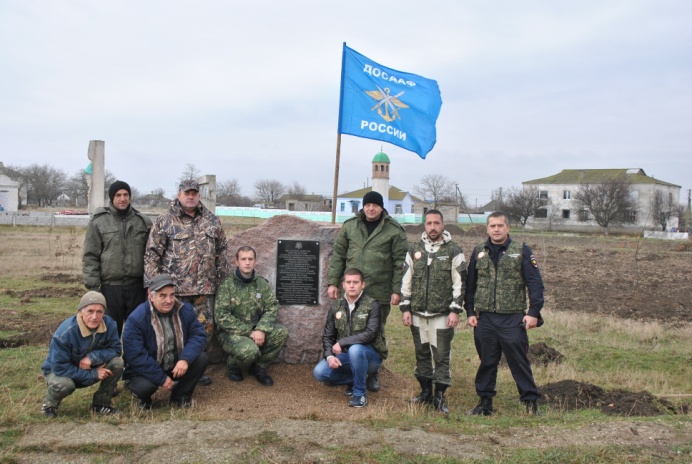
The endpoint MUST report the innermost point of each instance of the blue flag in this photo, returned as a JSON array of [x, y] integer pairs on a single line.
[[385, 104]]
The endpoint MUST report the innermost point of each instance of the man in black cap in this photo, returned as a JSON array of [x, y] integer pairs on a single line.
[[84, 351], [374, 243], [163, 344], [189, 243], [113, 259]]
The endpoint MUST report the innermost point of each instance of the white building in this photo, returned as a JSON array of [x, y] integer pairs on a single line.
[[563, 212], [9, 192], [396, 201]]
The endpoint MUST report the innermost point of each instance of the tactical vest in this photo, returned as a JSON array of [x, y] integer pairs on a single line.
[[431, 286], [501, 290], [357, 321]]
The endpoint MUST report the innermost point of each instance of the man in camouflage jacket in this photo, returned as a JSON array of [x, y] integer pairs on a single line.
[[113, 259], [246, 311], [433, 290], [188, 243], [352, 340], [499, 275]]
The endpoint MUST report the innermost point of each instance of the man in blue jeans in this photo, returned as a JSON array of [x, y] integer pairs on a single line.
[[353, 343]]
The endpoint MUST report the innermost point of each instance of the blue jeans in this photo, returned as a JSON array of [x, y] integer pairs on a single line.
[[356, 364]]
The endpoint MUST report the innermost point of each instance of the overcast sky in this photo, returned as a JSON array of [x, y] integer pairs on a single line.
[[250, 90]]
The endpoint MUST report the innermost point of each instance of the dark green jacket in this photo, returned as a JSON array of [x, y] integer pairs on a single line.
[[361, 327], [242, 307], [114, 248], [501, 290], [379, 256]]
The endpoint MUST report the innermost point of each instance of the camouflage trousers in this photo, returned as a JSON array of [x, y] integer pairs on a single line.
[[62, 387], [433, 342], [243, 351]]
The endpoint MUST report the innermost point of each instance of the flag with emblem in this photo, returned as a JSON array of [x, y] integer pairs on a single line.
[[385, 104]]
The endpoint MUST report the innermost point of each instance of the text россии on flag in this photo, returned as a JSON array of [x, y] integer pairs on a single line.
[[385, 104]]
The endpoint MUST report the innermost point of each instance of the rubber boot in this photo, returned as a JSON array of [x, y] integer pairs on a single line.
[[425, 396], [439, 400]]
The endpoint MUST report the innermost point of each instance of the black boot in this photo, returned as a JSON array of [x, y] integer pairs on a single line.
[[439, 400], [372, 382], [425, 396], [532, 408], [483, 408]]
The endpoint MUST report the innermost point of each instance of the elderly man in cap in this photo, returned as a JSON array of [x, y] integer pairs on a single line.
[[163, 346], [83, 351], [189, 243], [113, 259], [375, 243]]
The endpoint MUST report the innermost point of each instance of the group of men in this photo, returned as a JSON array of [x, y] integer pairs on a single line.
[[430, 282], [166, 289]]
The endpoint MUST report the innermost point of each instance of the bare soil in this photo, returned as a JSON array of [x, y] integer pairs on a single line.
[[299, 419]]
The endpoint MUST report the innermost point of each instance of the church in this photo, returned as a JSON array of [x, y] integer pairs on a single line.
[[396, 201]]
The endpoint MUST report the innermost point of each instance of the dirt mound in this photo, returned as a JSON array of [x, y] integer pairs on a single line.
[[540, 353], [571, 394], [61, 278], [25, 296]]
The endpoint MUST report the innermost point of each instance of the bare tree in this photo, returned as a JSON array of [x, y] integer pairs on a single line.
[[228, 192], [269, 190], [44, 183], [135, 195], [435, 189], [523, 203], [296, 190], [190, 172], [610, 203], [77, 188], [662, 208]]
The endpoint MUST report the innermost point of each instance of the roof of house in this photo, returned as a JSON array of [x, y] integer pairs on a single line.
[[394, 193], [598, 176]]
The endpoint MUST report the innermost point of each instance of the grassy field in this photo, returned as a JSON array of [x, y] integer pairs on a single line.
[[40, 286]]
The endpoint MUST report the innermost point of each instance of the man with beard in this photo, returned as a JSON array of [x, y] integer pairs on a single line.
[[113, 259], [433, 290]]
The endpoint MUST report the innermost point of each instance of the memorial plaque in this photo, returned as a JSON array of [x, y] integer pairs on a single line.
[[298, 272]]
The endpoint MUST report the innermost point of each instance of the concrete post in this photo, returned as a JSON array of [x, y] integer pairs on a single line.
[[98, 174], [207, 191]]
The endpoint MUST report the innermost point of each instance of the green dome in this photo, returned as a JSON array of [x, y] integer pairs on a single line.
[[381, 157]]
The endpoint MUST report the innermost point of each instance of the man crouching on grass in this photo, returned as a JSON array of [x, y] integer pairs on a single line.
[[83, 351], [164, 346], [352, 340]]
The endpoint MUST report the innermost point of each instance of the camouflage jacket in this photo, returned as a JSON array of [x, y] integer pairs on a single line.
[[434, 277], [500, 289], [360, 327], [191, 249], [379, 256], [243, 306], [114, 248]]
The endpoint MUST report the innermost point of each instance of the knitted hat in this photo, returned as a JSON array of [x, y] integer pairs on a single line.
[[160, 281], [118, 185], [91, 297], [373, 197]]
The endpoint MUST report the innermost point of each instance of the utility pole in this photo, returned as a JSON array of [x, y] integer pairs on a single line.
[[689, 209]]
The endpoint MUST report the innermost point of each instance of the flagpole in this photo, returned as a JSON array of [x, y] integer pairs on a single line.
[[338, 135], [336, 176]]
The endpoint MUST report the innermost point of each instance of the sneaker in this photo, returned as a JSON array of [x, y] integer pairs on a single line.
[[235, 374], [101, 409], [372, 382], [204, 381], [358, 401], [349, 390], [261, 375], [49, 411]]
